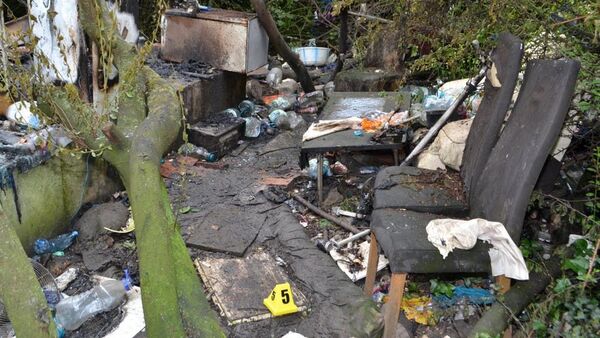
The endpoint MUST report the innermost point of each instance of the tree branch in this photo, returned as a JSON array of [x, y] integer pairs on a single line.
[[266, 19]]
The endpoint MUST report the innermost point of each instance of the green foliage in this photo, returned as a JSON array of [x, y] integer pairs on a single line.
[[570, 309]]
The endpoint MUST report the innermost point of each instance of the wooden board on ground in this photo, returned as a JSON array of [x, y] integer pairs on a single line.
[[239, 285]]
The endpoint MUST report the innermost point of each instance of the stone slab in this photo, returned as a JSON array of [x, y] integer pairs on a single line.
[[368, 80], [225, 228]]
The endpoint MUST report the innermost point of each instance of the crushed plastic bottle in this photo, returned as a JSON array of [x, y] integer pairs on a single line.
[[312, 168], [59, 243], [20, 112], [274, 76], [253, 127], [189, 149], [72, 312], [440, 101]]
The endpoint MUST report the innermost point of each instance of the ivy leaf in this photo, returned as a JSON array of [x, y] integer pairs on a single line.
[[577, 264], [185, 210], [561, 285]]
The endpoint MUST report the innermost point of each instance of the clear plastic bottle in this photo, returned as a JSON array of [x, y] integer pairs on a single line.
[[59, 243], [253, 127], [205, 154], [274, 76], [74, 311], [189, 149]]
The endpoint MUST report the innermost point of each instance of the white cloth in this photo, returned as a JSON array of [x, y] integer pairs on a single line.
[[325, 127], [505, 257]]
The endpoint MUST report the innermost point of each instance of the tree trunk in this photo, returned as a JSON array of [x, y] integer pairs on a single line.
[[20, 290], [266, 19], [143, 127]]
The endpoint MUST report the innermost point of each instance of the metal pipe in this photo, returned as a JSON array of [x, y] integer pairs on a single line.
[[352, 238], [325, 215]]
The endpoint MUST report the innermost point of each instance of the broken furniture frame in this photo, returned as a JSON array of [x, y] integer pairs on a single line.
[[498, 179]]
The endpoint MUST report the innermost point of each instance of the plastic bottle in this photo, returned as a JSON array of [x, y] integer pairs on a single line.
[[74, 311], [313, 166], [253, 127], [246, 108], [274, 76], [60, 243], [232, 111], [20, 112], [189, 149]]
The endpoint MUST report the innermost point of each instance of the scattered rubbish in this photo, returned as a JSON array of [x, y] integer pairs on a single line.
[[292, 334], [59, 243], [351, 239], [419, 309], [133, 316], [287, 87], [246, 108], [73, 311], [369, 125], [339, 212], [505, 257], [281, 300], [274, 77], [20, 112], [325, 215], [66, 278], [308, 110], [232, 111], [368, 170], [313, 166], [477, 296], [129, 227], [324, 245], [358, 133], [282, 103], [189, 149], [253, 127], [353, 261], [268, 99], [313, 99], [338, 168], [278, 181]]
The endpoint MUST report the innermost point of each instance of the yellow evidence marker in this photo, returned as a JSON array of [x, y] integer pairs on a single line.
[[281, 301]]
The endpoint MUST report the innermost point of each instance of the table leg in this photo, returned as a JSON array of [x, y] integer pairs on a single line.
[[320, 179], [396, 157]]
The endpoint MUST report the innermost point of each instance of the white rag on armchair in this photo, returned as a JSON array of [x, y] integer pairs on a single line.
[[505, 257]]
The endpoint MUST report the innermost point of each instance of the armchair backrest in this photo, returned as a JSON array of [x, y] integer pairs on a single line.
[[502, 190], [491, 113]]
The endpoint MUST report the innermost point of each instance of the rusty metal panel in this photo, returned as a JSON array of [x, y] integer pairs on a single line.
[[228, 40]]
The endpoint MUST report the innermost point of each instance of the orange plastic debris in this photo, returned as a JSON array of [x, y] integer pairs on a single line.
[[370, 125]]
